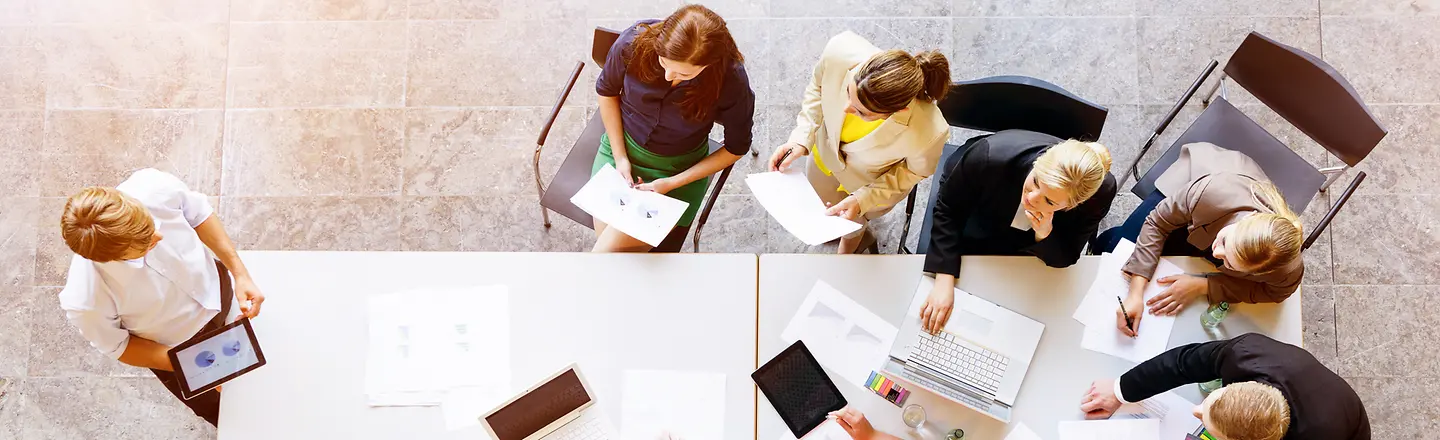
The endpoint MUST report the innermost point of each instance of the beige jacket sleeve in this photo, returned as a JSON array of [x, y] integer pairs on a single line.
[[1171, 214], [900, 178], [807, 122]]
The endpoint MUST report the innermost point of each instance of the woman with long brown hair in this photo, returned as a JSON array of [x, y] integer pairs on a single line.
[[870, 124], [664, 85]]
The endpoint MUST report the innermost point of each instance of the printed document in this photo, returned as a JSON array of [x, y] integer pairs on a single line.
[[423, 343], [844, 336], [789, 198], [645, 215]]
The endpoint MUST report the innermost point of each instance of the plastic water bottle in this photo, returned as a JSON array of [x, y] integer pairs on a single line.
[[955, 434], [1208, 387], [1212, 317]]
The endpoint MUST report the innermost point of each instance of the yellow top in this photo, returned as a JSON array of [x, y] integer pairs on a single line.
[[851, 130]]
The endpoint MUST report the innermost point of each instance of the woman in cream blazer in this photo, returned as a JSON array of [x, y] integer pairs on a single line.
[[869, 126]]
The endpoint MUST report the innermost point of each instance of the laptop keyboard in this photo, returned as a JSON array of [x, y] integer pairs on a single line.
[[960, 360], [582, 429]]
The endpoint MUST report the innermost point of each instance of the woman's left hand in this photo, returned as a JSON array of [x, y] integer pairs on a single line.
[[1040, 223], [848, 208], [662, 185], [1183, 289]]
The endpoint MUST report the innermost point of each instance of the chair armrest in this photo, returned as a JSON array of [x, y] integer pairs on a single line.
[[560, 103], [1134, 167], [709, 204], [1334, 209]]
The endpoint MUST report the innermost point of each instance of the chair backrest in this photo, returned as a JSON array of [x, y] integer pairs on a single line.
[[1308, 93], [600, 49], [1021, 102]]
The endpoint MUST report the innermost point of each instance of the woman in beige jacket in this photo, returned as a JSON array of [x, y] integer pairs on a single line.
[[870, 127]]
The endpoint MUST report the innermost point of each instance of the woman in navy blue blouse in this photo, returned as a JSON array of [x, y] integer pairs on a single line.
[[664, 85]]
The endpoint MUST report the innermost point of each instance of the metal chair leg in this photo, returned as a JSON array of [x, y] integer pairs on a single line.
[[1331, 175], [539, 186], [1219, 84]]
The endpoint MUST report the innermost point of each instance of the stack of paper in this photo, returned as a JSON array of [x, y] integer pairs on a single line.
[[1176, 415], [672, 404], [645, 215], [1022, 432], [789, 198], [1114, 429], [1097, 310], [424, 344], [844, 336]]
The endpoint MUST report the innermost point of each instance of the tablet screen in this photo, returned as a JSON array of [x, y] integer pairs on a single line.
[[798, 388], [217, 358]]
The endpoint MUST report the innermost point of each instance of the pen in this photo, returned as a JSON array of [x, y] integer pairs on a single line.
[[1128, 323], [782, 158]]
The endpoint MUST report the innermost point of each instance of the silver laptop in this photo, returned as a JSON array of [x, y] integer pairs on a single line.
[[978, 360], [561, 407]]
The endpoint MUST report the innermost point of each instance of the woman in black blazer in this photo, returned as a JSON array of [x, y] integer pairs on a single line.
[[1015, 192]]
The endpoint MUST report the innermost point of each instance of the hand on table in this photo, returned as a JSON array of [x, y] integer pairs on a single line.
[[1183, 289], [854, 423], [936, 311], [1100, 401], [785, 154]]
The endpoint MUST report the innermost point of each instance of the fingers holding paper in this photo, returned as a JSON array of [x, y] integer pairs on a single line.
[[849, 208]]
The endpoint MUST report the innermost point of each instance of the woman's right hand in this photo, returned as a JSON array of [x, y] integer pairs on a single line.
[[622, 165], [1135, 307], [785, 154]]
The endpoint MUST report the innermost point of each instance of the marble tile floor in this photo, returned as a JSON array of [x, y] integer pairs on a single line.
[[408, 125]]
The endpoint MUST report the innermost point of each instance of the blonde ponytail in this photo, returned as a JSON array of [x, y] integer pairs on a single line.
[[1267, 241], [1079, 168]]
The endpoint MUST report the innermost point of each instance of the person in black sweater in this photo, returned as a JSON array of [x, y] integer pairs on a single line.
[[1014, 192], [1273, 391]]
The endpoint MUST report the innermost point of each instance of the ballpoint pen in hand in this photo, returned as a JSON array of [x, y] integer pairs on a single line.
[[1129, 324]]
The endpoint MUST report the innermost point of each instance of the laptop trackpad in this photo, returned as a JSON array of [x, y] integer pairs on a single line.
[[972, 324]]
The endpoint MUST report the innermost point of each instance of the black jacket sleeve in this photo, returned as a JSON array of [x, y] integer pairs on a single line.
[[1070, 234], [959, 193], [1186, 364]]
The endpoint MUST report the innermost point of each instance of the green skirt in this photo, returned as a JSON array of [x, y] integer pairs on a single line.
[[650, 166]]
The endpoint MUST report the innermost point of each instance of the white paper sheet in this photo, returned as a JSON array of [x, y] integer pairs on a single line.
[[1113, 429], [1153, 331], [674, 404], [844, 336], [1022, 432], [462, 407], [425, 342], [645, 215], [1175, 414], [790, 199], [827, 430], [1110, 283]]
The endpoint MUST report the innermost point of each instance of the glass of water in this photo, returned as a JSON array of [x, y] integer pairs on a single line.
[[914, 416]]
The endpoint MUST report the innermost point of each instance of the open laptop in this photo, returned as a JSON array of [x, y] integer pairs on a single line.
[[561, 407], [978, 360]]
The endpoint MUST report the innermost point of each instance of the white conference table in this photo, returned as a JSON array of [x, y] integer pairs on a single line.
[[1061, 371], [609, 313]]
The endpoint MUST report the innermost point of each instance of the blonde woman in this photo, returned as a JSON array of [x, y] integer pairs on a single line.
[[1232, 214], [869, 126], [1014, 192]]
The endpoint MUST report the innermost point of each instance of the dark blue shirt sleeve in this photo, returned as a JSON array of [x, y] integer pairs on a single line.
[[737, 112], [612, 77]]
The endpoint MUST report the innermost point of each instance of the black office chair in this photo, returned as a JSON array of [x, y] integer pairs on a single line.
[[1004, 103], [1299, 87], [575, 170]]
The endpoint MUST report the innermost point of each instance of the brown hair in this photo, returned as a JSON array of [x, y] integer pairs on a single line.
[[103, 224], [1268, 241], [1251, 411], [695, 35], [888, 81]]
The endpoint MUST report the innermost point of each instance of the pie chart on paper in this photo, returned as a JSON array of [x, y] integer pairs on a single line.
[[231, 348], [205, 359]]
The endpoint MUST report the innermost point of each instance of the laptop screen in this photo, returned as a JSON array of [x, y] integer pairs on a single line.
[[540, 407]]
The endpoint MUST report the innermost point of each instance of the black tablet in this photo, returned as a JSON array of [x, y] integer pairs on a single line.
[[798, 388], [204, 363]]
